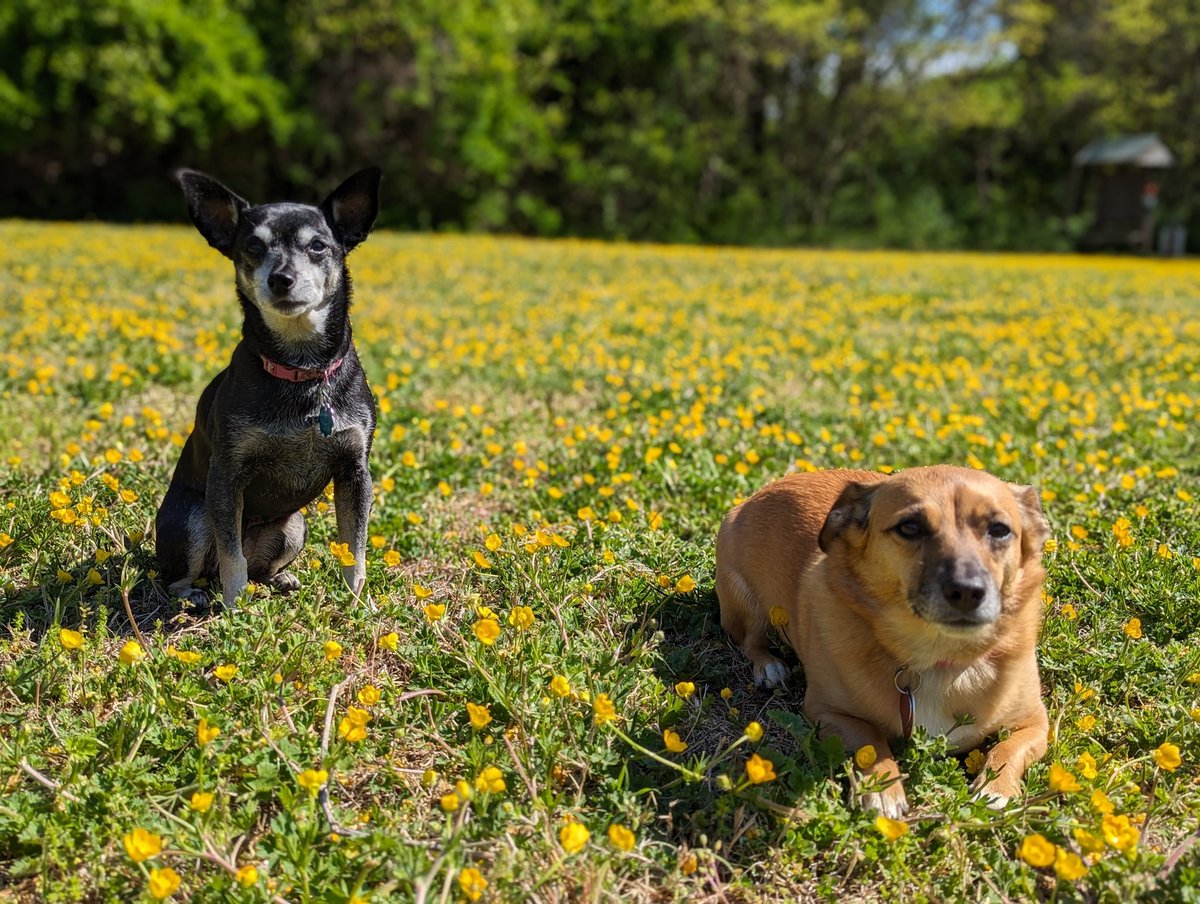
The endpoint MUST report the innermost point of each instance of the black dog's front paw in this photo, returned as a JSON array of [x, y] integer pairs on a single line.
[[285, 582]]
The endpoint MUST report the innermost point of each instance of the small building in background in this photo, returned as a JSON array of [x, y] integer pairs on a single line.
[[1118, 178]]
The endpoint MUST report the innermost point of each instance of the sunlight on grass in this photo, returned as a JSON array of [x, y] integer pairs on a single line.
[[543, 703]]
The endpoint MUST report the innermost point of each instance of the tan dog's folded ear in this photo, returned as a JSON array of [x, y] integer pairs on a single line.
[[1035, 529], [848, 517]]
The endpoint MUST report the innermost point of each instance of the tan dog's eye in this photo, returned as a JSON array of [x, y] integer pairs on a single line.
[[910, 529], [998, 530]]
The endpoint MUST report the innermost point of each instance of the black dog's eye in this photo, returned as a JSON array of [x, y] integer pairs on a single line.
[[998, 530], [910, 529], [255, 246], [316, 246]]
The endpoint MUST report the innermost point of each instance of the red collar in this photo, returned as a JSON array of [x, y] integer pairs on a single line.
[[299, 374]]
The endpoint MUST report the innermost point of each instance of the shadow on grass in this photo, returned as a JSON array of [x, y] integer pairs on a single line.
[[753, 820], [87, 592]]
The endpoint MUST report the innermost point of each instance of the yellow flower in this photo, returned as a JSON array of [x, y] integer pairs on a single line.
[[689, 864], [603, 709], [247, 875], [685, 584], [332, 650], [471, 883], [1167, 757], [429, 778], [341, 552], [1037, 851], [493, 542], [1088, 843], [1062, 780], [5, 540], [521, 618], [754, 732], [490, 780], [865, 756], [226, 672], [369, 695], [560, 686], [434, 612], [389, 641], [891, 829], [1087, 723], [142, 845], [391, 558], [205, 733], [1100, 802], [70, 640], [1068, 866], [449, 802], [1087, 765], [311, 780], [778, 616], [487, 630], [673, 742], [132, 653], [421, 592], [163, 882], [1119, 833], [187, 657], [759, 770], [353, 726], [201, 801], [726, 693], [621, 838], [573, 836], [480, 716], [1133, 628], [975, 762], [481, 560], [685, 689]]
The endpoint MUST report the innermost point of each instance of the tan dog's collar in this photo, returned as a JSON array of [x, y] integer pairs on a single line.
[[908, 688]]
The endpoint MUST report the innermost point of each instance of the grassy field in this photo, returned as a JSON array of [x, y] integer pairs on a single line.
[[563, 426]]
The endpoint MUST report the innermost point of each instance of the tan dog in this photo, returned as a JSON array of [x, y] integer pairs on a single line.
[[912, 600]]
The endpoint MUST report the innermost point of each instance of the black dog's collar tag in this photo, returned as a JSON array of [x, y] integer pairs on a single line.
[[325, 416]]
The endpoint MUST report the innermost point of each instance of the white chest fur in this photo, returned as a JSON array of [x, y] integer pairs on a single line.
[[940, 697]]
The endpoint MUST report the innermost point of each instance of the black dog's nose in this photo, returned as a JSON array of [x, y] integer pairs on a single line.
[[964, 592], [280, 281]]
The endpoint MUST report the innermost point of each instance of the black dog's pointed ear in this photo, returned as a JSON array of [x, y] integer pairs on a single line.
[[848, 517], [351, 208], [214, 209], [1035, 529]]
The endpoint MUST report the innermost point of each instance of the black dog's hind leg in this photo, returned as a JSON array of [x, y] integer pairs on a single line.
[[352, 501], [183, 540], [270, 548]]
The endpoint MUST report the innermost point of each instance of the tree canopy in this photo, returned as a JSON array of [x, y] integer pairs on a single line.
[[893, 122]]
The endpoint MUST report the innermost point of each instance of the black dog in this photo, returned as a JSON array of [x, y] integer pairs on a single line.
[[291, 411]]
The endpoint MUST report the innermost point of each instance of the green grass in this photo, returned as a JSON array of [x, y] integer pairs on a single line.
[[617, 399]]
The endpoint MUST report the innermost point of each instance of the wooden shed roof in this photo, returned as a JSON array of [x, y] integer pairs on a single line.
[[1145, 150]]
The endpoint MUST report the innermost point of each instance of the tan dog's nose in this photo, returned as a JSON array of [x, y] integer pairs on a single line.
[[965, 586]]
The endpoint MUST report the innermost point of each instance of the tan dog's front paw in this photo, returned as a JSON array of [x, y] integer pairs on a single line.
[[998, 792], [892, 802], [770, 674]]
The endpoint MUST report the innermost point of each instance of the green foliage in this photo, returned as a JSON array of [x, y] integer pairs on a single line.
[[902, 122]]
